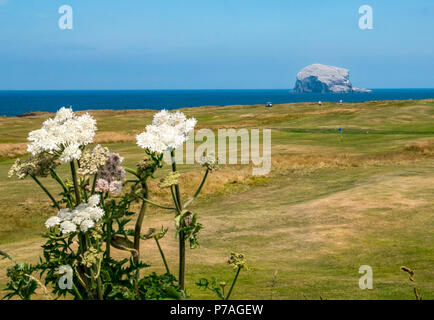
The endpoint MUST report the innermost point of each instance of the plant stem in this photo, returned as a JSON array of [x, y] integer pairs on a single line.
[[95, 178], [109, 228], [233, 283], [46, 191], [177, 192], [162, 255], [177, 207], [198, 190], [77, 292], [137, 231], [132, 171], [139, 222], [181, 278], [95, 271], [75, 180], [158, 205], [62, 184]]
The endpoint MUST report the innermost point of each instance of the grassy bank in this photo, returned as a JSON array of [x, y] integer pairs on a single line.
[[331, 203]]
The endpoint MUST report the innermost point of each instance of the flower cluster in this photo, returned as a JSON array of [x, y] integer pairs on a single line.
[[111, 174], [167, 131], [170, 180], [236, 260], [83, 217], [91, 162], [64, 135], [91, 257], [210, 162], [36, 166]]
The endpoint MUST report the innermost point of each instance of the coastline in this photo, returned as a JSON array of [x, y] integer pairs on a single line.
[[13, 103], [133, 109]]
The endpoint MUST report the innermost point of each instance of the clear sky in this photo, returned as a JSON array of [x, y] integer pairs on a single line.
[[212, 44]]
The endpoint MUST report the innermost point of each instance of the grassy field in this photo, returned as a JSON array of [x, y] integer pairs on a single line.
[[331, 203]]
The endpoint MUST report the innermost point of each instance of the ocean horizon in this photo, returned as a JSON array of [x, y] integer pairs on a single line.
[[16, 102]]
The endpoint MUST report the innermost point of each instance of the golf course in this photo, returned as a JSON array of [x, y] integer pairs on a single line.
[[350, 185]]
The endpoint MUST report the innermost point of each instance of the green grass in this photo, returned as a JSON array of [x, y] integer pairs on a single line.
[[330, 204]]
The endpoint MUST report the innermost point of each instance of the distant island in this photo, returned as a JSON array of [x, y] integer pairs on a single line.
[[319, 78]]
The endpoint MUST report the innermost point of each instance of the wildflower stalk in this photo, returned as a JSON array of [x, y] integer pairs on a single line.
[[139, 222], [132, 171], [175, 200], [137, 231], [233, 282], [109, 228], [59, 180], [79, 296], [95, 270], [162, 255], [95, 178], [98, 281], [178, 203], [75, 181], [158, 205], [46, 191], [198, 190]]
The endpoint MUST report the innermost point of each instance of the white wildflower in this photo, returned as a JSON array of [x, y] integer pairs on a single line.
[[168, 131], [93, 200], [63, 135], [70, 153], [86, 225], [52, 221], [95, 213], [68, 227], [161, 117], [83, 217], [80, 215], [64, 214]]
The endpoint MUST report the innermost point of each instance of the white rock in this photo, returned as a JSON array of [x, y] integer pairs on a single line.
[[321, 79]]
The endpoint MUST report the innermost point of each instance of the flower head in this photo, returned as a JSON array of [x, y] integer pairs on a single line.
[[170, 180], [83, 217], [37, 166], [53, 221], [86, 225], [167, 131], [210, 162], [63, 135], [68, 227], [111, 174], [236, 260], [90, 162]]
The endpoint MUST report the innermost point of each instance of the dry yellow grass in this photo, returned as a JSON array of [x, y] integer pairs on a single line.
[[12, 150], [114, 136]]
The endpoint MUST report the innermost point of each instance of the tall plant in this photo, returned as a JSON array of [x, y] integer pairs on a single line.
[[94, 211]]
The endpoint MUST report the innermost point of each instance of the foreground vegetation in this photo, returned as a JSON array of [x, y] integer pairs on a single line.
[[332, 202]]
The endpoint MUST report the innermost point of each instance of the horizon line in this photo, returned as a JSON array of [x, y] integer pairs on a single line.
[[195, 89]]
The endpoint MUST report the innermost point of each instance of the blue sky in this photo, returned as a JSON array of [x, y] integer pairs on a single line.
[[212, 44]]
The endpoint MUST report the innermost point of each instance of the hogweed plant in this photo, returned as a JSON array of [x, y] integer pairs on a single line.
[[237, 262], [94, 211]]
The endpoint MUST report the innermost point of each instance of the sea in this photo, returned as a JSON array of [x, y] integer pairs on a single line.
[[13, 103]]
